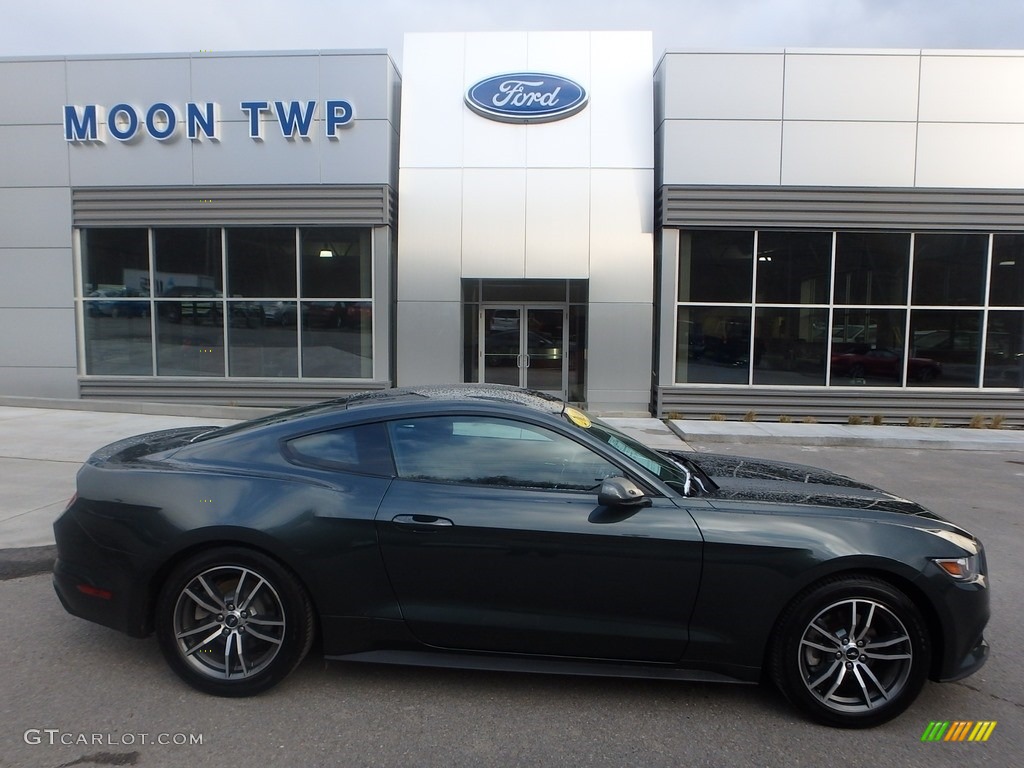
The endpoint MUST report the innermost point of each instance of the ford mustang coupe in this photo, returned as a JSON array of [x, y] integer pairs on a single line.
[[493, 528]]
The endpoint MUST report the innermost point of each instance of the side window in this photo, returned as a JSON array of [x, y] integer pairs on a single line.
[[363, 449], [478, 450]]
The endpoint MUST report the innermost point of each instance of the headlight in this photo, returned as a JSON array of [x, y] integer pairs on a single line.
[[959, 568]]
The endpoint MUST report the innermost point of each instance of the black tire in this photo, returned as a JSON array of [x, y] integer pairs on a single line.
[[851, 652], [223, 647]]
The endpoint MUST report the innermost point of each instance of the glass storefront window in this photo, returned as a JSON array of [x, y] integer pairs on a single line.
[[336, 264], [949, 270], [337, 339], [712, 345], [871, 268], [261, 262], [1007, 279], [121, 346], [254, 304], [793, 267], [190, 339], [1004, 349], [716, 266], [187, 260], [868, 348], [115, 260], [790, 345], [950, 338], [861, 313]]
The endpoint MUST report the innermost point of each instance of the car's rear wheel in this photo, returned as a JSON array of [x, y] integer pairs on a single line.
[[851, 652], [233, 622]]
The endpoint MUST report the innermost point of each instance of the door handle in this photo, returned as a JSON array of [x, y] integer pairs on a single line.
[[422, 521]]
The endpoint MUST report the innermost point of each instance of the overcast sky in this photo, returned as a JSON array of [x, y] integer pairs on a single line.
[[43, 27]]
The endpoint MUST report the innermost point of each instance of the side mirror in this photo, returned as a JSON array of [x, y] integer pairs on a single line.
[[621, 492]]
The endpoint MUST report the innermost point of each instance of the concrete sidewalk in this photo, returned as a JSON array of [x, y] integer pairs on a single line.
[[41, 449]]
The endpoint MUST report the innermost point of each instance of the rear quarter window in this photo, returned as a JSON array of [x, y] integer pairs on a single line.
[[362, 449]]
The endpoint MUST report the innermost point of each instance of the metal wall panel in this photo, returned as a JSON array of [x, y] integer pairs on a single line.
[[836, 86], [242, 392], [32, 92], [970, 155], [721, 152], [36, 277], [493, 222], [432, 126], [35, 337], [841, 208], [59, 382], [218, 206], [949, 407], [621, 241], [33, 156], [430, 238], [971, 87], [829, 153], [721, 86], [621, 110], [429, 342], [619, 357], [139, 80], [35, 218], [558, 223]]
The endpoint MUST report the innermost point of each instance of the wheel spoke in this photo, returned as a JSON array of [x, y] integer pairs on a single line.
[[838, 682], [867, 623], [819, 647], [200, 602], [245, 604], [265, 622], [828, 673], [218, 599], [887, 643], [831, 636], [888, 656], [267, 638], [241, 655], [199, 646], [878, 685], [853, 619], [227, 658], [203, 628], [863, 687]]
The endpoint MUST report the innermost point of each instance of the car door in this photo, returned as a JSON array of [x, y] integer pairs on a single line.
[[494, 541]]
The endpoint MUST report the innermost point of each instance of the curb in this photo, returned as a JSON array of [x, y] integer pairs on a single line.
[[26, 561], [850, 441]]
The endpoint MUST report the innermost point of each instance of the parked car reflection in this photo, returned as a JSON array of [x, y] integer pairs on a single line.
[[862, 361]]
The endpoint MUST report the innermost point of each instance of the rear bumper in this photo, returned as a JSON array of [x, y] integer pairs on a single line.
[[97, 583]]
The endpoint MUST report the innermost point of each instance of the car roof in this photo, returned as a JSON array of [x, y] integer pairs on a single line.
[[411, 398], [452, 392]]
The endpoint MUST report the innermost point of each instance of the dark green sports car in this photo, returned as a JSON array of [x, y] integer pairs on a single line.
[[488, 527]]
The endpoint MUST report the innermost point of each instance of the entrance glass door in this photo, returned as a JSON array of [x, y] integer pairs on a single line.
[[525, 346]]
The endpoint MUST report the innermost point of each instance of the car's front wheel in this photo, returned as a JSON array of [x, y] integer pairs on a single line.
[[233, 622], [851, 652]]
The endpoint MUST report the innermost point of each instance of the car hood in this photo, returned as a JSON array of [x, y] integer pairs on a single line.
[[758, 480]]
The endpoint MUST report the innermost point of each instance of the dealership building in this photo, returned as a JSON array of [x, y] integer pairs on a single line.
[[806, 232]]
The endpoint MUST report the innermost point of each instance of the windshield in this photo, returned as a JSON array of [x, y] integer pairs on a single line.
[[673, 474]]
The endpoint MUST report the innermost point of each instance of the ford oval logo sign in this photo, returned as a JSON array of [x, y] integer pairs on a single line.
[[526, 97]]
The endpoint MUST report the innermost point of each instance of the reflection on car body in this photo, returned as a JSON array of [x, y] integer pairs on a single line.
[[502, 529]]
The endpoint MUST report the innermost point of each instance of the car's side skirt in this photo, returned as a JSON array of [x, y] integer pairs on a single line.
[[494, 663]]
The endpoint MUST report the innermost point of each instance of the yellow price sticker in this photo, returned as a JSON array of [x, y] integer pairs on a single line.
[[578, 417]]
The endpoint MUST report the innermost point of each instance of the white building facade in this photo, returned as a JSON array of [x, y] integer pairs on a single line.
[[820, 233]]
